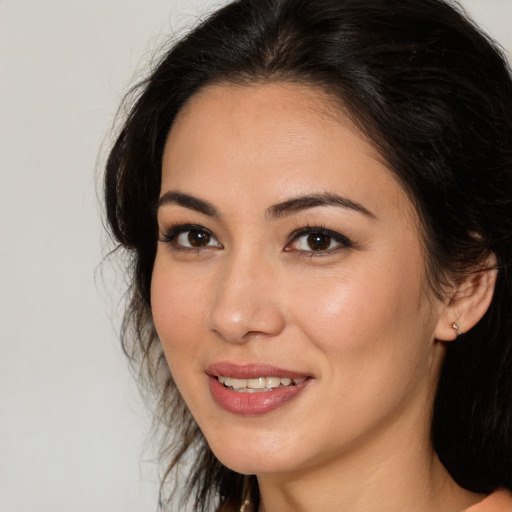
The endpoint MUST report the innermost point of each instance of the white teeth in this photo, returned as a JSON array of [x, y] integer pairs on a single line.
[[260, 383], [238, 383], [272, 382]]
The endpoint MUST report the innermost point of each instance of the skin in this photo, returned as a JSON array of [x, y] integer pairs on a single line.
[[359, 318]]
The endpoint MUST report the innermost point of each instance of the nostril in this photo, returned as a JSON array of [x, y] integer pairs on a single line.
[[260, 322], [256, 335]]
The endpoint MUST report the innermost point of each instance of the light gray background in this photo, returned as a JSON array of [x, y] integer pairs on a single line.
[[72, 426]]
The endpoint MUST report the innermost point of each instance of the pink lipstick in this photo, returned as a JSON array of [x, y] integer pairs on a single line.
[[253, 389]]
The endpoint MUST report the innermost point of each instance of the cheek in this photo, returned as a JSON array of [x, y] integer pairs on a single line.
[[372, 322], [376, 355], [356, 302], [178, 314], [176, 303]]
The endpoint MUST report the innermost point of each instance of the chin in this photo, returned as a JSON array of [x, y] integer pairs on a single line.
[[257, 456], [248, 465]]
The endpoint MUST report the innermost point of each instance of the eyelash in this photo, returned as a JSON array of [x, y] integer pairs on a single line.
[[342, 241], [172, 235]]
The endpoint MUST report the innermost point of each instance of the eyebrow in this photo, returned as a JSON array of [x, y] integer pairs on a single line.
[[300, 203], [190, 202], [275, 211]]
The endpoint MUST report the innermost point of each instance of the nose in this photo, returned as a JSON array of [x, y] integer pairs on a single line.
[[246, 304]]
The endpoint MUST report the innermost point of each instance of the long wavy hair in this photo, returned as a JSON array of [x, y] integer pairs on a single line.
[[434, 95]]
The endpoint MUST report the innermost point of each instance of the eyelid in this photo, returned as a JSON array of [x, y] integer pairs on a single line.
[[170, 235], [342, 240]]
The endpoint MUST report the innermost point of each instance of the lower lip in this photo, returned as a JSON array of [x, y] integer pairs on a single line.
[[253, 404]]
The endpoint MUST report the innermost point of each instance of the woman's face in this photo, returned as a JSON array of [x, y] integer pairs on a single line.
[[290, 260]]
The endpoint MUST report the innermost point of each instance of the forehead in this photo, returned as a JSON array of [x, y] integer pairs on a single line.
[[280, 95], [288, 108], [273, 140]]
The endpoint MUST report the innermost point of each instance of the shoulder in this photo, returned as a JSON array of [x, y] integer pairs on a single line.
[[498, 501]]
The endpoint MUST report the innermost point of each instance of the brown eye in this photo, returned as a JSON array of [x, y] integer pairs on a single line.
[[318, 241], [198, 238], [190, 237]]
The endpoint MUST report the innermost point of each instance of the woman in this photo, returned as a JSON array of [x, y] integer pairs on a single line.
[[317, 199]]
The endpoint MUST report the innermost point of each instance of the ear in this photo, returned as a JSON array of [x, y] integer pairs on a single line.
[[467, 301]]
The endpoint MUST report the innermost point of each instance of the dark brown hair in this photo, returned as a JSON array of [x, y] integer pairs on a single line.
[[434, 95]]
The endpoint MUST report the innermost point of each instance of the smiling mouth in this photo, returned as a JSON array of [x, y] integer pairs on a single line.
[[259, 384]]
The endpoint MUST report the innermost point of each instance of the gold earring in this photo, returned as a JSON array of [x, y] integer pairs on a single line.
[[246, 495], [246, 506]]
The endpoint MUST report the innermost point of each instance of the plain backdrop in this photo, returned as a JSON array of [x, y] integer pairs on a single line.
[[73, 430]]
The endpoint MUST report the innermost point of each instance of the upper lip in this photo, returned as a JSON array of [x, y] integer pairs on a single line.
[[251, 371]]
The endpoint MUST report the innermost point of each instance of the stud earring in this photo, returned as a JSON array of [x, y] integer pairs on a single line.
[[455, 327]]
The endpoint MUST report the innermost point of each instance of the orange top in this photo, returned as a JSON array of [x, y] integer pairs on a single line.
[[499, 501]]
